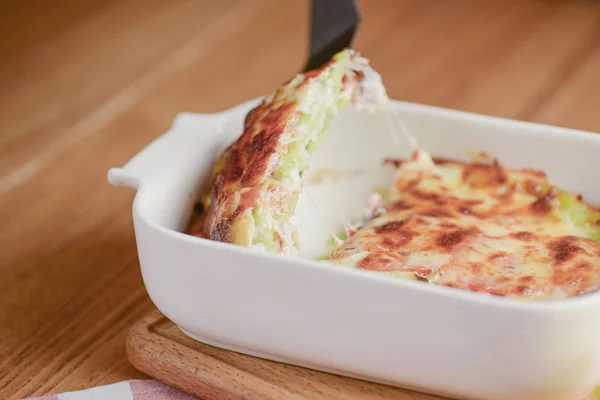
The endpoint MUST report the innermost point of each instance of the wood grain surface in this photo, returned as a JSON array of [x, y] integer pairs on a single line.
[[85, 84], [157, 347]]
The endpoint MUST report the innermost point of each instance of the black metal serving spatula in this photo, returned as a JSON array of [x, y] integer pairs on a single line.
[[334, 24]]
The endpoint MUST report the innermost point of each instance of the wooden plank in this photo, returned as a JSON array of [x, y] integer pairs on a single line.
[[54, 82], [491, 58], [575, 102]]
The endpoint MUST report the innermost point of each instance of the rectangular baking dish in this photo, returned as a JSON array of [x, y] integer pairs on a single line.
[[351, 322]]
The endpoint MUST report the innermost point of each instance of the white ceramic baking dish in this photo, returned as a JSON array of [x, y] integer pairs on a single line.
[[410, 334]]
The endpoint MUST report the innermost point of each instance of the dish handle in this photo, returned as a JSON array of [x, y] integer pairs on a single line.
[[171, 153]]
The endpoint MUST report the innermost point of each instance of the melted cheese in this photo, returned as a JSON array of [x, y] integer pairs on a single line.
[[257, 183], [481, 227]]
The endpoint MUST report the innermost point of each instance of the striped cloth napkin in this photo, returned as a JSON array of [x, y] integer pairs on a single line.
[[147, 389]]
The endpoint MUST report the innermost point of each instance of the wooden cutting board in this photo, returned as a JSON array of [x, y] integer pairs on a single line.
[[158, 348]]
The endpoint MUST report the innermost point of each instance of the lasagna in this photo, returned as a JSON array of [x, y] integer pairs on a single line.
[[257, 182], [478, 226], [470, 225]]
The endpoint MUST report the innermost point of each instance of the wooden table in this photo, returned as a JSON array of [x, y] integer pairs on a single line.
[[84, 85]]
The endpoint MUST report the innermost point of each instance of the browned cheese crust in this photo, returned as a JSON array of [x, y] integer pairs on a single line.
[[501, 233], [247, 165]]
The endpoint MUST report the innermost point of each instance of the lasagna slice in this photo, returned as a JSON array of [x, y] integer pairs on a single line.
[[257, 182], [481, 227]]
